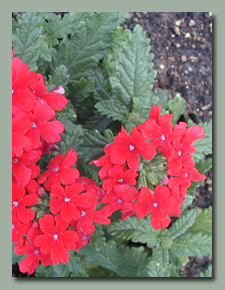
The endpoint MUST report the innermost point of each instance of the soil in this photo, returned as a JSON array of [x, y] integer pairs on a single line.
[[182, 45]]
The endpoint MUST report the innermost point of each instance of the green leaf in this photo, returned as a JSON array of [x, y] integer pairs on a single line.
[[101, 90], [134, 74], [58, 77], [192, 245], [71, 137], [86, 46], [26, 42], [204, 145], [113, 109], [57, 27], [137, 230], [124, 261], [187, 201], [98, 122], [93, 145], [183, 222], [160, 97], [159, 265], [203, 223], [207, 273], [177, 106]]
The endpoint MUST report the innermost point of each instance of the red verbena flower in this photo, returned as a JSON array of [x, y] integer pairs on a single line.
[[159, 204], [20, 202], [33, 255], [129, 147], [56, 239], [59, 170], [118, 174], [66, 200]]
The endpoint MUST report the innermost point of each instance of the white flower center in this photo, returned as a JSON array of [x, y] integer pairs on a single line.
[[15, 203], [55, 169], [67, 199], [15, 160], [119, 200], [13, 227], [55, 237], [131, 147], [33, 125], [179, 153], [83, 213], [121, 180], [155, 204], [36, 252], [185, 175], [163, 137]]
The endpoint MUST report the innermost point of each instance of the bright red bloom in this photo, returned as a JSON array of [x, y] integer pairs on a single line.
[[159, 205], [66, 200], [182, 181], [122, 198], [21, 200], [56, 99], [22, 78], [88, 216], [20, 170], [20, 125], [33, 255], [59, 170], [55, 239], [118, 174], [105, 162], [19, 230], [43, 125], [129, 147]]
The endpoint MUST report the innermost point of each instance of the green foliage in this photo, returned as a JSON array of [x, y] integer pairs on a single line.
[[136, 230], [183, 222], [192, 245], [204, 145], [116, 258], [177, 106], [203, 223]]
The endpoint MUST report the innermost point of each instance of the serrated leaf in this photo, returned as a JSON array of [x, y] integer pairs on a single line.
[[124, 261], [192, 245], [86, 46], [177, 106], [58, 27], [134, 74], [60, 77], [71, 137], [101, 91], [160, 97], [98, 122], [159, 265], [183, 222], [137, 230], [113, 109], [187, 201], [93, 145], [25, 40], [203, 223]]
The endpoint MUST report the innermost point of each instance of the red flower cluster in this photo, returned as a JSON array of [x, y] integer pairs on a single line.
[[45, 225], [120, 168]]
